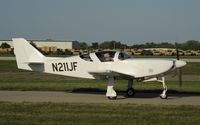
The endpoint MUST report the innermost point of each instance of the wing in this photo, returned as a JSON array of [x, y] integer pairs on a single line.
[[106, 73]]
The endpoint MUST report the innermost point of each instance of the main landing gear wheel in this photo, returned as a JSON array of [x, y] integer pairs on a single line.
[[111, 94], [130, 92]]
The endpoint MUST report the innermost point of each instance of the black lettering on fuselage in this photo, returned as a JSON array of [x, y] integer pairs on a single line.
[[70, 67], [61, 67], [75, 65], [55, 67]]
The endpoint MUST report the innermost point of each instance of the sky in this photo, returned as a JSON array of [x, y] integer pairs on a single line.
[[128, 21]]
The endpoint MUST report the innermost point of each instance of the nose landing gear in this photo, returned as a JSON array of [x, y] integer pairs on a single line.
[[130, 92], [164, 94]]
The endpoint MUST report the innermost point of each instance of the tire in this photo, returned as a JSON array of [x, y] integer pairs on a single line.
[[164, 97], [130, 92]]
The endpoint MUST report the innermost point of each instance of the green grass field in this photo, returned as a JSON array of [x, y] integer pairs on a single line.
[[32, 84], [96, 114]]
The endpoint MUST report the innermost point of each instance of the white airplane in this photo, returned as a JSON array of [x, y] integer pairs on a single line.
[[110, 65]]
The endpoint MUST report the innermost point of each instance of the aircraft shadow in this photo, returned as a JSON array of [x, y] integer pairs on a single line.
[[138, 93]]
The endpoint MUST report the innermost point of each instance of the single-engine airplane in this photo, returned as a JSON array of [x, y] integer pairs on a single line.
[[110, 65]]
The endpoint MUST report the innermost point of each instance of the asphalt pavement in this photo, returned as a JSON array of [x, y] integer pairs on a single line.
[[66, 97]]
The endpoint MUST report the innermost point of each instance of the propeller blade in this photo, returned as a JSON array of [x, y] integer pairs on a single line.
[[180, 79], [174, 73], [177, 51], [179, 70]]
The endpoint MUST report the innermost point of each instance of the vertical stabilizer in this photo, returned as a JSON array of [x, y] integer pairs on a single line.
[[26, 54]]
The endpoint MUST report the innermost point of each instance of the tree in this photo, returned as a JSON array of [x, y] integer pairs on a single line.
[[191, 44], [5, 45], [104, 45], [165, 45], [151, 45], [112, 45], [154, 45], [83, 45], [95, 45]]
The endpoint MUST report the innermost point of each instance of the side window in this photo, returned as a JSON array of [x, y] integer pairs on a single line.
[[106, 56], [86, 57], [121, 56]]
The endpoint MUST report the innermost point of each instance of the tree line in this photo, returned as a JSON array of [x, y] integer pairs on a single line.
[[188, 45]]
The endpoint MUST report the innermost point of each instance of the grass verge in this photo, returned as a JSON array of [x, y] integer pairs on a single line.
[[93, 85], [97, 114]]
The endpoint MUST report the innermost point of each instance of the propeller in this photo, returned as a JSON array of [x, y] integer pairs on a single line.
[[179, 70]]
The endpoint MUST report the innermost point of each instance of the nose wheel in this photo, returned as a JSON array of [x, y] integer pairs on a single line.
[[163, 96]]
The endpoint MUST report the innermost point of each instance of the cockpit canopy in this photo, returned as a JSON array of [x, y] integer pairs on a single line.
[[107, 56], [124, 56]]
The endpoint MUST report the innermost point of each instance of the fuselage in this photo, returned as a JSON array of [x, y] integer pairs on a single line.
[[85, 66]]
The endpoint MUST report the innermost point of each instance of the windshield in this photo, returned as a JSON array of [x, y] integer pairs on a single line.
[[86, 57], [123, 56]]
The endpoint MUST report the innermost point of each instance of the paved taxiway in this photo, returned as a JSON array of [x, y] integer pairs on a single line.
[[64, 97]]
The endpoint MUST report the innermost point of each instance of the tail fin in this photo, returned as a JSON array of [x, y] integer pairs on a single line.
[[27, 55]]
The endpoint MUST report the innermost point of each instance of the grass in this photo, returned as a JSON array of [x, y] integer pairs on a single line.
[[8, 66], [98, 114], [192, 68], [84, 85], [6, 55]]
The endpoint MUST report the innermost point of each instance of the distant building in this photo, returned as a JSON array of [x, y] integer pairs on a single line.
[[50, 43]]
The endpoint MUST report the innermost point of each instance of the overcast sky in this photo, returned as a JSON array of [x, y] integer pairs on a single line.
[[129, 21]]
